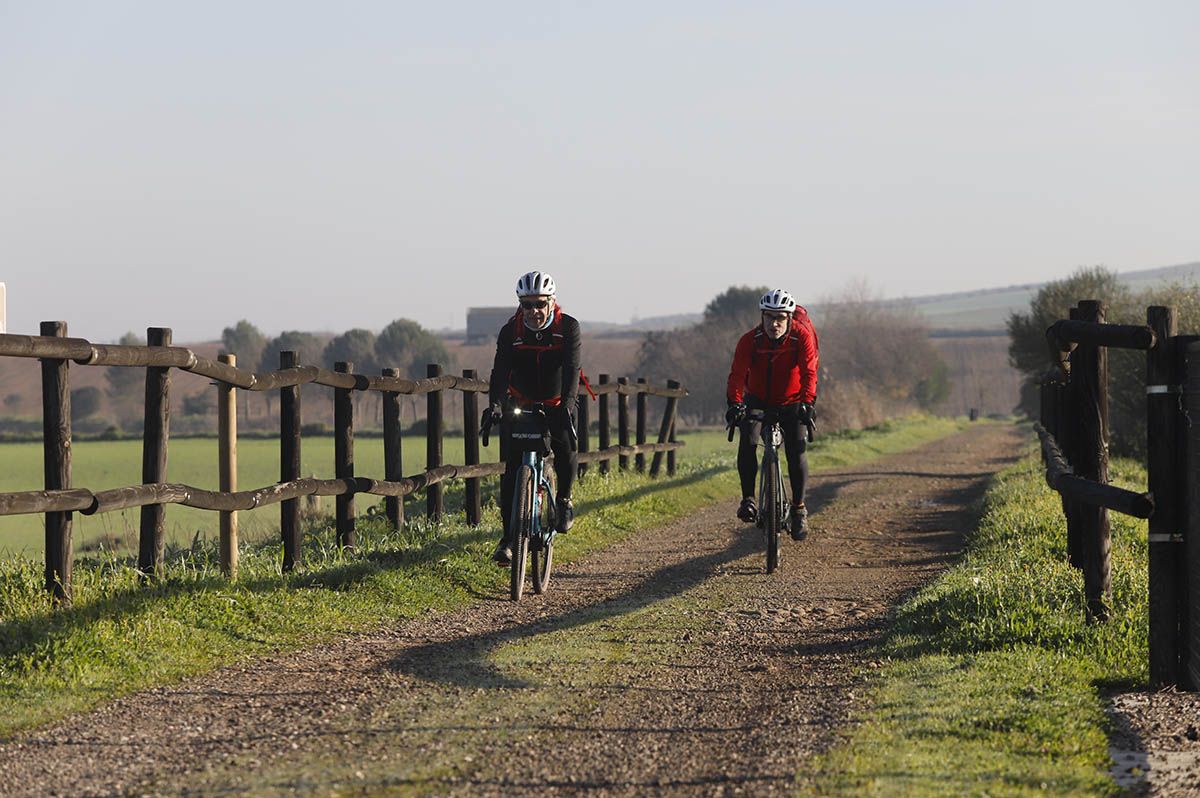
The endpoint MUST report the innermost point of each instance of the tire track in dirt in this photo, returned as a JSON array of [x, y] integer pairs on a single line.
[[669, 664]]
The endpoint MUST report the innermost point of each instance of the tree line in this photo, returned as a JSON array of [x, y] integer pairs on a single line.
[[876, 359], [1028, 352]]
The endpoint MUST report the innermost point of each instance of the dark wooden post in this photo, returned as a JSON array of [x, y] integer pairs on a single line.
[[56, 446], [664, 431], [433, 444], [622, 423], [1069, 438], [671, 454], [1091, 371], [393, 443], [605, 432], [640, 424], [582, 422], [471, 495], [343, 457], [1167, 560], [154, 455], [289, 466], [1187, 511]]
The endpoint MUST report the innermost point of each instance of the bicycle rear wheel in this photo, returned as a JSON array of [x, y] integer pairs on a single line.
[[772, 504], [520, 525], [541, 558]]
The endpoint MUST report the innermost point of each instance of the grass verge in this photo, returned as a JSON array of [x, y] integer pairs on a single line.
[[121, 636], [991, 676]]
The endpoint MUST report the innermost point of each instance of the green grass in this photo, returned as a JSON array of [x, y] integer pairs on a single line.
[[991, 676], [120, 636]]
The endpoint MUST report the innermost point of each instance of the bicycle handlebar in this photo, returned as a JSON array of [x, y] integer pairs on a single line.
[[755, 414]]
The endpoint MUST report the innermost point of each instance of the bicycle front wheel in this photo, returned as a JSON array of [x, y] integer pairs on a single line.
[[521, 525], [541, 558], [771, 510]]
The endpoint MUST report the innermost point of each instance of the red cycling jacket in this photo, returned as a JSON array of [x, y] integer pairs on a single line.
[[781, 372]]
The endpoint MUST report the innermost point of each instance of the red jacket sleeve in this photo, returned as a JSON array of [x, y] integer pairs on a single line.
[[735, 389], [809, 362]]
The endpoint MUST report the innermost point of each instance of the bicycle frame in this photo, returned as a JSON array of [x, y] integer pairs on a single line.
[[538, 537], [771, 436]]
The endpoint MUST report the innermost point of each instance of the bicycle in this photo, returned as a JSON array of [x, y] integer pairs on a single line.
[[532, 516], [774, 505]]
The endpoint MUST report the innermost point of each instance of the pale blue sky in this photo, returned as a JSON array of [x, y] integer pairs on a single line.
[[327, 166]]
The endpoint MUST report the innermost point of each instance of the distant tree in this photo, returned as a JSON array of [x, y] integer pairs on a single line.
[[199, 404], [126, 384], [85, 402], [308, 348], [12, 401], [407, 346], [737, 305], [355, 346], [247, 342]]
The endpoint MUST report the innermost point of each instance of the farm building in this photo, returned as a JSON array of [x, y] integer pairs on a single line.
[[484, 323]]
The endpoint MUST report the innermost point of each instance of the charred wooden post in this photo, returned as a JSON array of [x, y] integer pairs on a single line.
[[154, 455], [393, 451], [1167, 563], [227, 446], [664, 431], [289, 466], [434, 506], [1090, 369], [343, 457], [604, 434], [582, 422], [640, 424], [471, 492], [622, 422], [56, 445]]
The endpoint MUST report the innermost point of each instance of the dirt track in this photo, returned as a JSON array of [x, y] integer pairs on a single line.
[[671, 664]]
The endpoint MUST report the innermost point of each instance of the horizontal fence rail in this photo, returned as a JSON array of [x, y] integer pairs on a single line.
[[60, 499]]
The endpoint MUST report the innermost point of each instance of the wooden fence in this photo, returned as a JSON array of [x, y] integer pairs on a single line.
[[60, 499], [1074, 435]]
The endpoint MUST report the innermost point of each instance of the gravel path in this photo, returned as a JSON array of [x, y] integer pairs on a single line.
[[670, 664]]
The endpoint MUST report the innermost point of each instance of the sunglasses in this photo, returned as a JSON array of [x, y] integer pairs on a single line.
[[776, 316], [534, 304]]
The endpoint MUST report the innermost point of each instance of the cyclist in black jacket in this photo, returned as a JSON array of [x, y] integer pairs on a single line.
[[537, 362]]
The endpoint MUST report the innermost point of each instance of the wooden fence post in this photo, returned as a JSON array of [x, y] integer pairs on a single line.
[[1090, 369], [343, 457], [154, 455], [622, 423], [671, 454], [605, 431], [640, 424], [471, 494], [664, 431], [433, 444], [56, 446], [227, 446], [1187, 508], [393, 451], [582, 422], [1069, 438], [289, 466], [1167, 560]]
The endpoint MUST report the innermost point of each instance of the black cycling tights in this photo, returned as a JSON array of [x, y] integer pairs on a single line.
[[794, 445]]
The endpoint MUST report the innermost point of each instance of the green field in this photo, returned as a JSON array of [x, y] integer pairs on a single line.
[[100, 465]]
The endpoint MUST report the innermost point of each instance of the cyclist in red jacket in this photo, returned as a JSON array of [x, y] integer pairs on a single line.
[[775, 366]]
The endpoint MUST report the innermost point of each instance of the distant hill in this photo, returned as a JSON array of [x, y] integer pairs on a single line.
[[986, 310]]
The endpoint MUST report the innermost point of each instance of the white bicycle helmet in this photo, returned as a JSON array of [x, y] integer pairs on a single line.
[[536, 284], [777, 300]]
